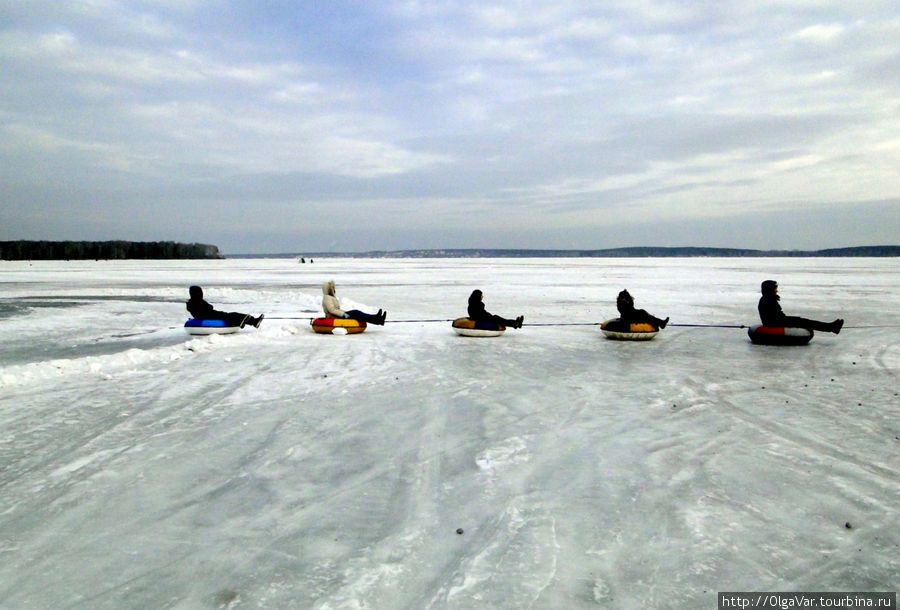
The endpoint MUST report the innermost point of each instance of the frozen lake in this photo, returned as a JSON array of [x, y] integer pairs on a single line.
[[277, 468]]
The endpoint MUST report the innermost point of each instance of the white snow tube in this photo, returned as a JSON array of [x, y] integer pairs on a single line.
[[470, 328], [628, 331], [779, 335]]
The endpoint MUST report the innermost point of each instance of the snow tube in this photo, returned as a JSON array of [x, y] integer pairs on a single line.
[[779, 335], [209, 327], [471, 328], [628, 331], [337, 326]]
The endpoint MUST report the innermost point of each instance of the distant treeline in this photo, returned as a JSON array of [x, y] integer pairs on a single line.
[[83, 250], [637, 252]]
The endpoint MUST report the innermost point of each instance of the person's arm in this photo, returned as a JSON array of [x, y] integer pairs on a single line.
[[332, 307], [770, 313], [198, 308]]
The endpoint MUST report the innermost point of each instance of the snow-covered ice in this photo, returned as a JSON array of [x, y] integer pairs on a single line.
[[277, 468]]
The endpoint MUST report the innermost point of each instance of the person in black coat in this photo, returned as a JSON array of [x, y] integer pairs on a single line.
[[630, 315], [771, 315], [201, 310], [478, 314]]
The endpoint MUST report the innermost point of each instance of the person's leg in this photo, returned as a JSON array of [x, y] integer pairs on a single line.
[[641, 316], [361, 316], [231, 318], [255, 322], [234, 318], [828, 327], [504, 322]]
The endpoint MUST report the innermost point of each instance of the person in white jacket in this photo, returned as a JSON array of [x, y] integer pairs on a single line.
[[332, 308]]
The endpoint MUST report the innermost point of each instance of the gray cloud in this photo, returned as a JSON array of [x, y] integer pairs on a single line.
[[449, 125]]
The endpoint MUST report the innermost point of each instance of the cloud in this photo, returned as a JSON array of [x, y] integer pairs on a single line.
[[820, 33], [563, 116], [253, 116]]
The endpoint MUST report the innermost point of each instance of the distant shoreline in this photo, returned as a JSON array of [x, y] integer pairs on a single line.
[[635, 252], [28, 250], [118, 250]]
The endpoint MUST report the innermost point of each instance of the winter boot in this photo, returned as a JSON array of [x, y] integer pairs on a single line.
[[259, 320]]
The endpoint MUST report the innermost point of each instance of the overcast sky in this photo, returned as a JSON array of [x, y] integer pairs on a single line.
[[295, 126]]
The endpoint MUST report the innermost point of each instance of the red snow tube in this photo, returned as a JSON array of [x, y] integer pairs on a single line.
[[779, 335], [337, 326]]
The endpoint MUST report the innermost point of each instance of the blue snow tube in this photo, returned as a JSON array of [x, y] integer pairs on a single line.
[[209, 327]]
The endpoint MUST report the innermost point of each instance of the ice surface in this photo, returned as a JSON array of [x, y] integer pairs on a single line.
[[277, 468]]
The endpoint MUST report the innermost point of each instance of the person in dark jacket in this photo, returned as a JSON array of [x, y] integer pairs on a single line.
[[771, 315], [201, 310], [627, 312], [478, 314]]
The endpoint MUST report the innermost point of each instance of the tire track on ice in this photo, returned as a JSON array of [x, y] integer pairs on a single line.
[[381, 576], [514, 564], [513, 553], [885, 475], [69, 458]]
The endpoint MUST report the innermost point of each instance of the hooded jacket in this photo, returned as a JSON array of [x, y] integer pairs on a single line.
[[196, 306], [476, 309], [330, 303], [770, 313], [625, 305]]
